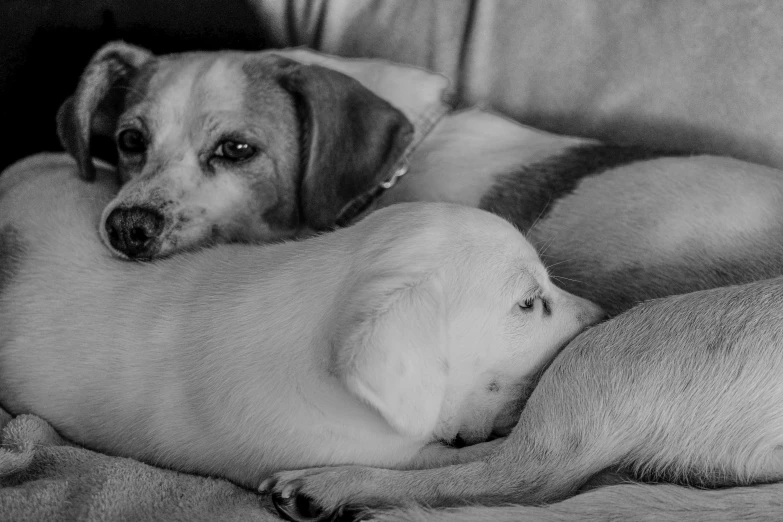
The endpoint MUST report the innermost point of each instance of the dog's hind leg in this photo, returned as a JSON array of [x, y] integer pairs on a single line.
[[685, 389]]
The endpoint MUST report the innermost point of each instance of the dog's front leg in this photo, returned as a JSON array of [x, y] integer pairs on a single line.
[[432, 457], [319, 493], [519, 468], [437, 455]]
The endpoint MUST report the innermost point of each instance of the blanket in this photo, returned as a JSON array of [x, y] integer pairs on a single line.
[[44, 477]]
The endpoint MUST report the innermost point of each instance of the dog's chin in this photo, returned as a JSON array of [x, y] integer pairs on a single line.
[[147, 256], [170, 244]]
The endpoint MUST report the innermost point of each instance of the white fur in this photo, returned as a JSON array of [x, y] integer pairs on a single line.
[[360, 346]]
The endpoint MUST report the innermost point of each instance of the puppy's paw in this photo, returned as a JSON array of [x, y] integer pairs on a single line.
[[320, 493]]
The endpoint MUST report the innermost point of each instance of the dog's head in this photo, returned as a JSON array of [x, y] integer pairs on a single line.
[[227, 146], [448, 324]]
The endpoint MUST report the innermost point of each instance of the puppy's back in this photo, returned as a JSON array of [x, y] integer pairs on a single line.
[[45, 192]]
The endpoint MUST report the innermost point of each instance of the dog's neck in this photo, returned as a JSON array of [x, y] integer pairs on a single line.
[[362, 204], [422, 97]]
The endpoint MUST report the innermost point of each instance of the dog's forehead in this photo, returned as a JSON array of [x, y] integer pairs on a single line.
[[220, 84], [208, 91], [512, 260], [498, 235], [171, 90], [488, 253], [215, 84]]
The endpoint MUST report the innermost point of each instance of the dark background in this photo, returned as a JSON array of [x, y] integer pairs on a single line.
[[44, 45]]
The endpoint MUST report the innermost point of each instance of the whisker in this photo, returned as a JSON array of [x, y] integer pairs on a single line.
[[543, 248], [540, 214], [567, 279], [550, 265]]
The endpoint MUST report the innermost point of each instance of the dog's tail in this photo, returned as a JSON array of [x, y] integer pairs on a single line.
[[627, 502]]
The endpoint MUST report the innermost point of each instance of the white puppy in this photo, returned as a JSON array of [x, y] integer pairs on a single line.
[[423, 322]]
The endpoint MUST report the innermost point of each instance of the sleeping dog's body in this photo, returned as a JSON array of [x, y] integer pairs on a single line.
[[615, 224], [618, 224], [685, 388], [366, 345]]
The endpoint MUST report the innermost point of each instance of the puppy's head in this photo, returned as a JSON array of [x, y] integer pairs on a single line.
[[451, 317], [226, 146]]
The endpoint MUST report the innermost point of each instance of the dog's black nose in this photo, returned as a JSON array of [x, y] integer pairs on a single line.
[[132, 230], [459, 442]]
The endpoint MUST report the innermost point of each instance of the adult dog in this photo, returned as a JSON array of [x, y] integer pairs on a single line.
[[261, 146], [368, 345], [684, 389]]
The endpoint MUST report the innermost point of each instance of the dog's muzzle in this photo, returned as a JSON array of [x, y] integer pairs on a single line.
[[133, 230]]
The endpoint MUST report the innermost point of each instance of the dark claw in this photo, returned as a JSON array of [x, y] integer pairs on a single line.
[[299, 508]]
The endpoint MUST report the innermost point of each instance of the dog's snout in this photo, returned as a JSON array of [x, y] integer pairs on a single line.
[[132, 230], [591, 314]]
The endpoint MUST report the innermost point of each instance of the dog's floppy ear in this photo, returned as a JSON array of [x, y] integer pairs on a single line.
[[97, 102], [393, 354], [352, 139]]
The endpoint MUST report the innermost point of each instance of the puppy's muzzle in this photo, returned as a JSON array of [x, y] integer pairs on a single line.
[[133, 230]]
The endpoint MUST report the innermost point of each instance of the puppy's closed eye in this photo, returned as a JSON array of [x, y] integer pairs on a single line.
[[532, 304], [529, 303]]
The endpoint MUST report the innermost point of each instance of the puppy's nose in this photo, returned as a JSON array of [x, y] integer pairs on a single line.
[[132, 230]]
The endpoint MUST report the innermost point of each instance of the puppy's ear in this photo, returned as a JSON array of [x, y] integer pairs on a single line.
[[393, 355], [352, 139], [97, 102]]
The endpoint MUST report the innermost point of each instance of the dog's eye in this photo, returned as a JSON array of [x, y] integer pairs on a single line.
[[131, 141], [529, 303], [234, 150]]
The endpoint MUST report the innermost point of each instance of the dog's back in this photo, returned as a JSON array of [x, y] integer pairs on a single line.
[[238, 360], [152, 360], [665, 226], [616, 224], [163, 361]]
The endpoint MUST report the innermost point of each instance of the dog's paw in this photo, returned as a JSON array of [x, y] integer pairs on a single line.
[[318, 494]]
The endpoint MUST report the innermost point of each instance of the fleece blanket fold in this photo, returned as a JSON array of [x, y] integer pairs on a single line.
[[43, 477]]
